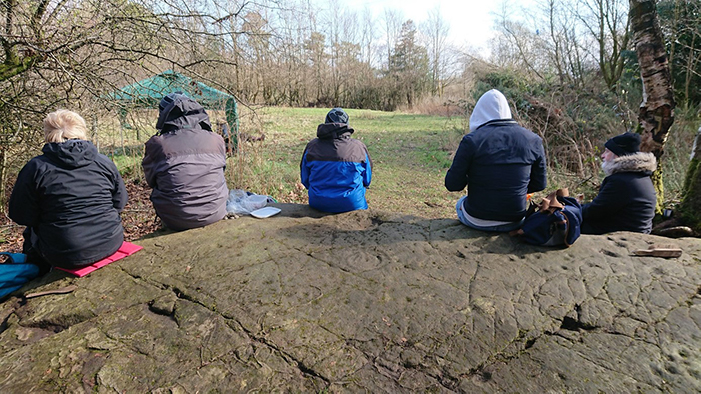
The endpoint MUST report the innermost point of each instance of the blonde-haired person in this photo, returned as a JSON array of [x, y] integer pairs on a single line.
[[69, 198], [64, 125]]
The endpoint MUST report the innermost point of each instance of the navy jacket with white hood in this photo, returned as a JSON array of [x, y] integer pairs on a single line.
[[499, 161]]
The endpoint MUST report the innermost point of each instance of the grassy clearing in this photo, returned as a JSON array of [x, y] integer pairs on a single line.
[[410, 154]]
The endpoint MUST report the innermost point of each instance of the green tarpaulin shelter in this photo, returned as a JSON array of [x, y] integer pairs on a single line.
[[148, 93]]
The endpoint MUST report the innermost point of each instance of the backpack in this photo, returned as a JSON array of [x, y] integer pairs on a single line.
[[15, 272], [556, 221]]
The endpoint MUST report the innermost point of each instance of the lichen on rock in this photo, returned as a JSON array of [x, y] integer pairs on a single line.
[[363, 301]]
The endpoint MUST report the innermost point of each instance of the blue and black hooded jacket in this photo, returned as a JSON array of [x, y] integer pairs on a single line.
[[336, 169]]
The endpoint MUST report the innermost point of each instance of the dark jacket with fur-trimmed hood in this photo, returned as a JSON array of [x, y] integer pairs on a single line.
[[184, 164], [626, 199]]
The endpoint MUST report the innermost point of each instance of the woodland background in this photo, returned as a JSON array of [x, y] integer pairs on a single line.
[[568, 67]]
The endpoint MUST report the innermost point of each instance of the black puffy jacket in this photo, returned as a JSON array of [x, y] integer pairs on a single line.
[[71, 197]]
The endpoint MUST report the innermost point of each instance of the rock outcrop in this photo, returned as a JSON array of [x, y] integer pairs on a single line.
[[362, 301]]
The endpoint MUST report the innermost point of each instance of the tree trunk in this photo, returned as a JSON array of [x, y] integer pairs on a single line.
[[657, 109], [690, 207]]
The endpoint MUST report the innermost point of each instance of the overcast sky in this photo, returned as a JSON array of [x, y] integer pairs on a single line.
[[471, 21]]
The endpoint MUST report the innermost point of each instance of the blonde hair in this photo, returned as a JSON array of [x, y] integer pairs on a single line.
[[64, 125]]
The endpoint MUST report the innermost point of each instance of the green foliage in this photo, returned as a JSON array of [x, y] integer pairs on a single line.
[[515, 85], [129, 165], [630, 77], [14, 66], [675, 161], [691, 177]]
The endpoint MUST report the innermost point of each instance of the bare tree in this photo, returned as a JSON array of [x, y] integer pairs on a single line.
[[436, 30], [559, 38], [62, 54], [367, 36], [517, 46], [681, 23], [72, 53], [607, 23], [409, 69], [392, 24], [316, 55]]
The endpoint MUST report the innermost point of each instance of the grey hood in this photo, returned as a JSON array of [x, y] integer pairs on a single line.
[[178, 111], [490, 107]]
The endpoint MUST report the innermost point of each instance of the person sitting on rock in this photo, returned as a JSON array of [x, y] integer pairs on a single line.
[[500, 162], [627, 197], [336, 169], [184, 164], [69, 198]]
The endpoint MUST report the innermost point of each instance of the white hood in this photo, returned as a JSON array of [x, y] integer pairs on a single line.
[[491, 106]]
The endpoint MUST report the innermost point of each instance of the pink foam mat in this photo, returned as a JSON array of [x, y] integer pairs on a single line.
[[125, 250]]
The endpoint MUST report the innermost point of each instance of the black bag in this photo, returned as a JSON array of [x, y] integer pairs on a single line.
[[556, 221]]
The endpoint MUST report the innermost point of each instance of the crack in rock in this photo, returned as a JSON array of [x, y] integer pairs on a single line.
[[366, 302]]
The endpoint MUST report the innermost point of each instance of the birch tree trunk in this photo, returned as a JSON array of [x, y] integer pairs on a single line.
[[656, 113]]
